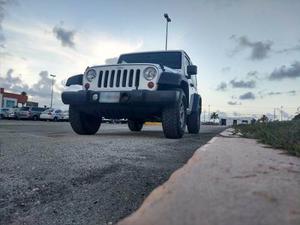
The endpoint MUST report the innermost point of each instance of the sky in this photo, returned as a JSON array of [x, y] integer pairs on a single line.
[[247, 51]]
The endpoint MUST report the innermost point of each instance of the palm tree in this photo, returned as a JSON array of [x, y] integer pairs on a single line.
[[263, 119], [214, 116]]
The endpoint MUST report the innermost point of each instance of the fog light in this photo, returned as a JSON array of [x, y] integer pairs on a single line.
[[95, 97], [87, 86], [150, 85]]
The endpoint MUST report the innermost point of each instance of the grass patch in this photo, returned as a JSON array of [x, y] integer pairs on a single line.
[[284, 135]]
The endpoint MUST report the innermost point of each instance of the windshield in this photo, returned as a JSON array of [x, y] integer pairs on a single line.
[[169, 59]]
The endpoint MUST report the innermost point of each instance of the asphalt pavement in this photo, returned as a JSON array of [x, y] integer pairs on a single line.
[[50, 175], [230, 180]]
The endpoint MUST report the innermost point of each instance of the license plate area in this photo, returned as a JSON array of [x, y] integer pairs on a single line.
[[109, 97]]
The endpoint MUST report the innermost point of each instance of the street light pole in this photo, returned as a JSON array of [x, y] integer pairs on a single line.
[[167, 20], [209, 112], [52, 89]]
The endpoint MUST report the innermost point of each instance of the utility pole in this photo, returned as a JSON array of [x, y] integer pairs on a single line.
[[167, 20], [208, 112], [281, 107], [51, 75], [274, 115], [204, 115]]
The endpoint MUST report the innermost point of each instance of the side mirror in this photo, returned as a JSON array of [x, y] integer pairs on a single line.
[[191, 70]]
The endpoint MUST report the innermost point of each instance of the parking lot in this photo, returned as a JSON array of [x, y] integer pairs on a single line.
[[50, 175]]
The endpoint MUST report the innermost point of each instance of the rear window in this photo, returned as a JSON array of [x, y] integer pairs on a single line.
[[48, 110], [37, 109]]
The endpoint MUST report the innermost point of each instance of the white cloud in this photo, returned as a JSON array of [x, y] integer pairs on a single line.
[[33, 48]]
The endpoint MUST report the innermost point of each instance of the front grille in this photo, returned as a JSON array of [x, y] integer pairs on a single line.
[[126, 78]]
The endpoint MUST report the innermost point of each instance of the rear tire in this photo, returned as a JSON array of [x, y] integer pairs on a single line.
[[135, 125], [174, 118], [82, 123], [35, 118], [194, 122]]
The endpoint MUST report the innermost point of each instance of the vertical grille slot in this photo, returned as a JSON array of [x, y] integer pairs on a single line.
[[137, 78], [118, 78], [112, 77], [124, 78], [130, 78], [106, 78], [100, 78]]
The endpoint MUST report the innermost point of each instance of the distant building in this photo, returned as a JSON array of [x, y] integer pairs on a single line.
[[230, 121], [32, 104], [10, 100]]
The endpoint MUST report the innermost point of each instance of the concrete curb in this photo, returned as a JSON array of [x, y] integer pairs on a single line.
[[230, 180]]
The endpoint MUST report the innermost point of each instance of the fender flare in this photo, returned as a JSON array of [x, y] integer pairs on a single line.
[[169, 80], [75, 80]]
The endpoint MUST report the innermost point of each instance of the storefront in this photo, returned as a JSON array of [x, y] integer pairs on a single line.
[[10, 100]]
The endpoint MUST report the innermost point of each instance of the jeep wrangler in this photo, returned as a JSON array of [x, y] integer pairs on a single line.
[[146, 86]]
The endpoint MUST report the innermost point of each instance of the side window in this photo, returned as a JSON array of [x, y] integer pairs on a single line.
[[186, 63], [193, 78], [58, 111]]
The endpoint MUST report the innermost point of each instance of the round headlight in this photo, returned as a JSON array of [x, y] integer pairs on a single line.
[[90, 75], [150, 73]]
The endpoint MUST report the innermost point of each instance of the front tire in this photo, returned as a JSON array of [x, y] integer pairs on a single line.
[[174, 119], [82, 123], [135, 125]]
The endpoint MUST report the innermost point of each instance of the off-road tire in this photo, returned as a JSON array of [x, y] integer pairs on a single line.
[[174, 118], [194, 122], [135, 125], [82, 123]]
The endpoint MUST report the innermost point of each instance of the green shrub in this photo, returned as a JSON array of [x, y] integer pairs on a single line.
[[284, 135]]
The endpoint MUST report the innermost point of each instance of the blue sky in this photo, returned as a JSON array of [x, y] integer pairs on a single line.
[[247, 52]]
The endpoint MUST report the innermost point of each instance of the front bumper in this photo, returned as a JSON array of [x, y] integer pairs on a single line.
[[20, 116], [11, 116], [134, 97]]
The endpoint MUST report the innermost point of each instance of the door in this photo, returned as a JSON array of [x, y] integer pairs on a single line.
[[192, 82]]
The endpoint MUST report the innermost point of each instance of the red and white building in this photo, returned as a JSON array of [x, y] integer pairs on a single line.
[[10, 100]]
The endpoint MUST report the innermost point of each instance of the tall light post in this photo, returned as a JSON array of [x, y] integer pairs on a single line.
[[167, 20], [53, 76]]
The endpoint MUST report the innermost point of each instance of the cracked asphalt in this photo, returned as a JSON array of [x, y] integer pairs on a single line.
[[50, 175]]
